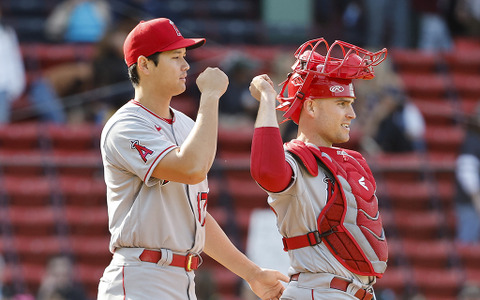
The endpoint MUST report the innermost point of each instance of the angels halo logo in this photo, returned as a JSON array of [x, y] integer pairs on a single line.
[[336, 89]]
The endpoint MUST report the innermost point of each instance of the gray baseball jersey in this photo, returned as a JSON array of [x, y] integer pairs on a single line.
[[297, 209], [147, 212]]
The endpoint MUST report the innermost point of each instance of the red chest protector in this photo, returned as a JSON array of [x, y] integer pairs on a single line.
[[350, 223]]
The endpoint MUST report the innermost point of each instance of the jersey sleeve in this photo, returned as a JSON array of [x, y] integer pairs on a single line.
[[135, 146], [268, 165]]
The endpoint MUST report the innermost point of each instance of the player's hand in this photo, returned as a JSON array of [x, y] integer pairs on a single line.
[[260, 84], [267, 284], [212, 81]]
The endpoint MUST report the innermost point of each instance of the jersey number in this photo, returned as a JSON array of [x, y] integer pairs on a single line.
[[202, 199]]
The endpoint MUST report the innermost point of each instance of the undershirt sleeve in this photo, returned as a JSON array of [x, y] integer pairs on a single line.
[[267, 163]]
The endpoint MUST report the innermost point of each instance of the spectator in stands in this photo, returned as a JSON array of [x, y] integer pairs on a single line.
[[12, 73], [104, 73], [109, 73], [468, 183], [470, 291], [237, 103], [388, 120], [59, 282], [83, 21], [46, 92], [467, 13], [433, 33], [383, 14], [281, 65], [6, 291]]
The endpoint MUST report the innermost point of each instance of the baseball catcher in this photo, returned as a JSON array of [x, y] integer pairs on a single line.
[[323, 196]]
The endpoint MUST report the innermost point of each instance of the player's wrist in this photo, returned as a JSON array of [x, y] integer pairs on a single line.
[[268, 95], [252, 275], [214, 95]]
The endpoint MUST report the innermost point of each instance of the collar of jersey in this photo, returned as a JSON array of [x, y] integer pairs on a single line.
[[169, 121]]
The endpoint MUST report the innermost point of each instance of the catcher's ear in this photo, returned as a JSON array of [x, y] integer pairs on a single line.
[[309, 106]]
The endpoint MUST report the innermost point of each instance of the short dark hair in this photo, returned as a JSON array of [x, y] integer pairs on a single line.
[[132, 70]]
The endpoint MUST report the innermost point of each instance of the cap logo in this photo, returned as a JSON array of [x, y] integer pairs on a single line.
[[336, 89], [175, 28]]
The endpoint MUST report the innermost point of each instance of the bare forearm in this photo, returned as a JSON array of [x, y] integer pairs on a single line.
[[266, 116], [266, 284], [219, 247], [201, 145]]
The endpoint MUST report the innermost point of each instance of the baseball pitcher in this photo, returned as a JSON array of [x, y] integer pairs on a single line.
[[156, 161]]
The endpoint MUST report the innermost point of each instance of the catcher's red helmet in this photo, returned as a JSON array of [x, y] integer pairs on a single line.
[[325, 76]]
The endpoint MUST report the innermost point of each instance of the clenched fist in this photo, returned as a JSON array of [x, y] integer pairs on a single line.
[[261, 84], [212, 81]]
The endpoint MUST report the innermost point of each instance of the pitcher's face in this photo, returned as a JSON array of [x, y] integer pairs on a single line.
[[171, 71]]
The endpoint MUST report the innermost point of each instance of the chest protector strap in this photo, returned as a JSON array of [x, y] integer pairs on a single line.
[[349, 224]]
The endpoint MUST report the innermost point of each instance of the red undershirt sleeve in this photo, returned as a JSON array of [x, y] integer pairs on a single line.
[[267, 163]]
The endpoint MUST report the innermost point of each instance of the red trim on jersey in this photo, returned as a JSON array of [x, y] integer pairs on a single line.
[[313, 295], [153, 163], [268, 165], [169, 121], [123, 283]]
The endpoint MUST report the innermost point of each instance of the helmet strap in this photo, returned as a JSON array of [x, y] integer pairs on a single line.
[[299, 96]]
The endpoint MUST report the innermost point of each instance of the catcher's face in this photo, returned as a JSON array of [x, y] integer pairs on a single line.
[[332, 118]]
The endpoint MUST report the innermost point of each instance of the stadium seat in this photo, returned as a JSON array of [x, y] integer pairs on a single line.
[[82, 191], [91, 220], [90, 250], [399, 167], [226, 281], [437, 283], [411, 60], [466, 85], [235, 139], [437, 111], [463, 62], [20, 136], [469, 255], [444, 139], [20, 163], [418, 224], [396, 279], [45, 55], [33, 221], [36, 250], [472, 275], [468, 105], [32, 275], [413, 195], [429, 85], [185, 104], [89, 276], [434, 254], [246, 193], [27, 191], [87, 164], [78, 137]]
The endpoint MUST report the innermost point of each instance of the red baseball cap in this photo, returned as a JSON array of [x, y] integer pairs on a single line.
[[157, 35]]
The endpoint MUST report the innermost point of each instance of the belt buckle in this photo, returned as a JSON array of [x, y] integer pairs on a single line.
[[188, 260]]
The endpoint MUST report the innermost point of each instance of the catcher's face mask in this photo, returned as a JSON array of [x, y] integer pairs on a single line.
[[328, 75]]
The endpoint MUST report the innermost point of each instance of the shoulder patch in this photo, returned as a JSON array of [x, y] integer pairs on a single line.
[[142, 150]]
